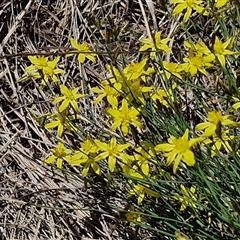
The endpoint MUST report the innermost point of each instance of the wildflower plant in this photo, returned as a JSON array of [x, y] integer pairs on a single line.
[[188, 198], [61, 120], [155, 44], [42, 68], [178, 149], [111, 151], [83, 50], [69, 98], [59, 155], [215, 122], [189, 6], [220, 50], [124, 117]]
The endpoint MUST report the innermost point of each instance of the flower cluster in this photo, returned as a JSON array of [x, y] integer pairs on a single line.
[[125, 88], [146, 135]]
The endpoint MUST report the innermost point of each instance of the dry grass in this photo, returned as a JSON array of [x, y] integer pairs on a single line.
[[37, 202]]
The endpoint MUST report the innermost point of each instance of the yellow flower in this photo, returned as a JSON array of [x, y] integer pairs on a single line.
[[215, 121], [69, 98], [136, 90], [43, 68], [112, 151], [59, 154], [144, 157], [83, 51], [170, 69], [116, 75], [198, 48], [140, 190], [126, 163], [220, 50], [60, 121], [155, 44], [189, 5], [179, 149], [164, 96], [220, 3], [124, 117], [135, 71], [39, 63], [236, 105], [111, 91], [188, 199], [197, 62], [218, 141], [86, 156]]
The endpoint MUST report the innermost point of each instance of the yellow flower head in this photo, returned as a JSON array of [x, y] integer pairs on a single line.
[[180, 236], [111, 151], [59, 154], [124, 117], [220, 140], [198, 48], [69, 98], [140, 190], [86, 156], [236, 105], [188, 198], [133, 217], [189, 5], [220, 3], [116, 75], [170, 69], [83, 51], [61, 121], [179, 149], [197, 62], [155, 44], [111, 92], [214, 123], [164, 96], [220, 50], [43, 68], [137, 71]]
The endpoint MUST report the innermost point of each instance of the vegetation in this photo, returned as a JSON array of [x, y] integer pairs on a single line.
[[130, 131]]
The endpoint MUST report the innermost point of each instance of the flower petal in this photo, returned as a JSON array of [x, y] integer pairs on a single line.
[[189, 158]]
